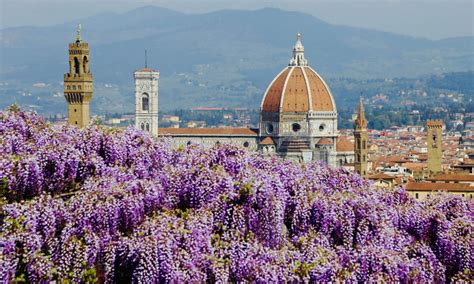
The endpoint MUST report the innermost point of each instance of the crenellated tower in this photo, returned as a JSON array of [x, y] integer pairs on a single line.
[[78, 83], [434, 139], [360, 139]]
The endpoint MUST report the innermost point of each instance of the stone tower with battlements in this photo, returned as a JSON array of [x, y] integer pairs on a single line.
[[435, 134], [78, 83], [360, 139]]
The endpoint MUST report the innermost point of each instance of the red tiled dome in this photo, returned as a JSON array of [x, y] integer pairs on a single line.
[[298, 88]]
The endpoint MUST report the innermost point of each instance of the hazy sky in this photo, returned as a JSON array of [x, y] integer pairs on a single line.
[[432, 19]]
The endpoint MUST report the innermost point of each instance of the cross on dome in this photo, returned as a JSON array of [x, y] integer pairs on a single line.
[[298, 53]]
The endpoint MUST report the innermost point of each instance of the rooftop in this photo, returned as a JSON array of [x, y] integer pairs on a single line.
[[207, 131]]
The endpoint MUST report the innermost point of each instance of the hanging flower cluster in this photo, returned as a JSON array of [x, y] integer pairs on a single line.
[[101, 205]]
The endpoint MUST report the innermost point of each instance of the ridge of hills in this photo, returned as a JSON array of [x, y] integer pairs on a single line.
[[222, 58]]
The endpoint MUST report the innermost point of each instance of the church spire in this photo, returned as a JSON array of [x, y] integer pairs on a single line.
[[298, 53], [361, 140], [361, 121]]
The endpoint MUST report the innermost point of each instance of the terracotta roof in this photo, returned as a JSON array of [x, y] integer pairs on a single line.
[[267, 141], [324, 141], [295, 97], [145, 70], [320, 94], [452, 177], [271, 100], [381, 176], [433, 186], [298, 89], [344, 145], [415, 166], [207, 132]]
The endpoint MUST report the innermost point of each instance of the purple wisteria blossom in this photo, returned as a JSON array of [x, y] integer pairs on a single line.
[[107, 205]]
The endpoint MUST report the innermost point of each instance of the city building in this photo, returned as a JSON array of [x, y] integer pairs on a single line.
[[298, 118], [78, 83], [434, 138], [146, 99]]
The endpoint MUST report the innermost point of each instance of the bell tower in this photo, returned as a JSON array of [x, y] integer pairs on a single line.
[[435, 135], [146, 99], [78, 83], [360, 145]]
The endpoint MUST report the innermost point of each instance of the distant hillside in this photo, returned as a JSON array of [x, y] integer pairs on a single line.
[[224, 58]]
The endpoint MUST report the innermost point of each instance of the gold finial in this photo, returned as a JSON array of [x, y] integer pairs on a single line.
[[78, 36]]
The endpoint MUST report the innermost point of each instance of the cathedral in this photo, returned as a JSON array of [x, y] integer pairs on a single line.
[[298, 114], [298, 119]]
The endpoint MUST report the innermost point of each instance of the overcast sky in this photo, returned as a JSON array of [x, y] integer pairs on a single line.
[[432, 19]]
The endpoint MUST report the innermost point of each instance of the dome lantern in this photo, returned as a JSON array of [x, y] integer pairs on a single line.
[[298, 53]]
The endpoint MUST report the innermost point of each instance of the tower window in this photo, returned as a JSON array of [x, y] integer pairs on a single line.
[[434, 141], [142, 126], [147, 127], [75, 110], [145, 102], [76, 65], [85, 65]]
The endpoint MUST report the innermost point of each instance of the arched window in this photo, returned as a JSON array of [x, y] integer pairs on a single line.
[[145, 102], [147, 127], [77, 66], [357, 144], [364, 145], [434, 145], [142, 126], [85, 65]]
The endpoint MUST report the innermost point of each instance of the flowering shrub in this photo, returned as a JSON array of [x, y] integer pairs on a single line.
[[101, 205]]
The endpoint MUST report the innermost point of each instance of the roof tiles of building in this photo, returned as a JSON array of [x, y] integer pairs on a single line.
[[324, 141], [453, 177], [208, 131], [344, 145], [146, 69], [267, 141], [382, 176], [433, 186]]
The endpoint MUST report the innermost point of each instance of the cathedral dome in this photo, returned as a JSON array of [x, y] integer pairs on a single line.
[[298, 88]]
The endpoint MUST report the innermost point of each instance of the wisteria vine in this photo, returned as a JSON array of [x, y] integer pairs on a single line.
[[106, 205]]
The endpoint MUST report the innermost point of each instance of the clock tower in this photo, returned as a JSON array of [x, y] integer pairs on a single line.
[[78, 83], [146, 100]]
